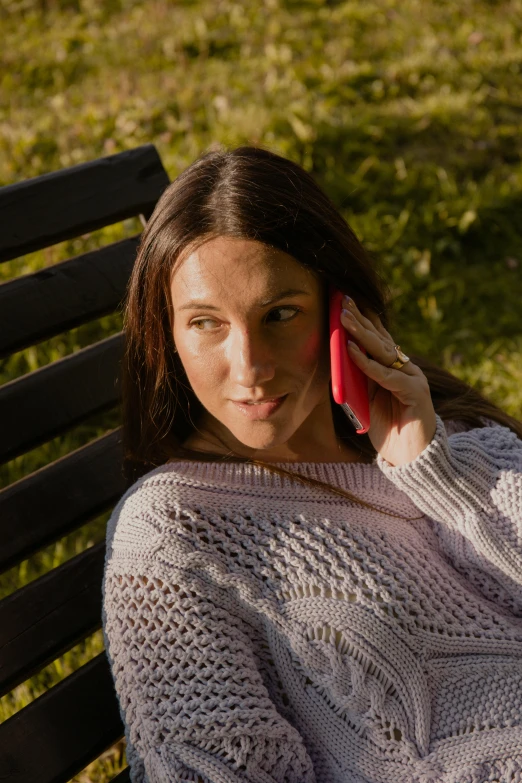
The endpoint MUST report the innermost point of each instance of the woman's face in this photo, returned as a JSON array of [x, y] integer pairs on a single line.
[[248, 324]]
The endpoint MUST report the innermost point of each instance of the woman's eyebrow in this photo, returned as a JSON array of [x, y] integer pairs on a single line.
[[193, 304], [284, 295]]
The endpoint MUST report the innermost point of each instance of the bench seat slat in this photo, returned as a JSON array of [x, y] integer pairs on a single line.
[[57, 735], [45, 403], [38, 306], [45, 210], [57, 499], [47, 617]]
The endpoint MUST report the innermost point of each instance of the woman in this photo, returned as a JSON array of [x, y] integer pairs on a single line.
[[286, 600]]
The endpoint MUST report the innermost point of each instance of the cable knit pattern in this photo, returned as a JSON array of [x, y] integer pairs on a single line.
[[263, 631]]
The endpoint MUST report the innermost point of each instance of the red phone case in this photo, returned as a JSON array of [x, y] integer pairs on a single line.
[[349, 383]]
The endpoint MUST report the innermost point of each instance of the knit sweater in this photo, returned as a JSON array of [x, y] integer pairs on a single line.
[[263, 631]]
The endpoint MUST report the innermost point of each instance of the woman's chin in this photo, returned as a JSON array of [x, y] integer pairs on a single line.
[[261, 438]]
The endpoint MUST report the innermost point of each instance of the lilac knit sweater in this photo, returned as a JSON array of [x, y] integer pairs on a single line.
[[262, 631]]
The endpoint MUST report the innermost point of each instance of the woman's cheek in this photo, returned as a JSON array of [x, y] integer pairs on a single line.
[[206, 373], [310, 350], [201, 367], [314, 361]]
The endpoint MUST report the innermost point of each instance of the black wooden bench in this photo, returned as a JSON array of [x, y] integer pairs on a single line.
[[62, 731]]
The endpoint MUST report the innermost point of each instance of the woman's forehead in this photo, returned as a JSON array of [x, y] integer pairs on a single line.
[[227, 265]]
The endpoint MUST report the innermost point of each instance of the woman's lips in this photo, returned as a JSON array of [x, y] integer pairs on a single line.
[[261, 411]]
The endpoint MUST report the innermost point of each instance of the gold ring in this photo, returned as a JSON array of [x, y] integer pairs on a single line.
[[401, 359]]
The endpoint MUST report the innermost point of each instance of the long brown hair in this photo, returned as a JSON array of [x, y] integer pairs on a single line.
[[251, 193]]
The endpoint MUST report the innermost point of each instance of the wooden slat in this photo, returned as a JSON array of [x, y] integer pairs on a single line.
[[46, 402], [57, 735], [44, 619], [57, 499], [42, 211], [35, 307], [123, 777]]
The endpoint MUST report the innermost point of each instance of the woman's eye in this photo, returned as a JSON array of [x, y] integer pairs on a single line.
[[199, 324], [282, 314], [285, 310]]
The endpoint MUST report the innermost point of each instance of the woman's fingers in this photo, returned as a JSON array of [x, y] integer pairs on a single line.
[[373, 339], [409, 387], [403, 417], [370, 317]]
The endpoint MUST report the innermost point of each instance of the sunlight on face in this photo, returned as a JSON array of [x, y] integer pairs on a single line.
[[249, 324]]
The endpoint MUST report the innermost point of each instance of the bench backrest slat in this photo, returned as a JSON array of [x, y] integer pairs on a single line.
[[49, 616], [57, 499], [38, 306], [45, 403], [58, 734], [46, 210], [123, 777]]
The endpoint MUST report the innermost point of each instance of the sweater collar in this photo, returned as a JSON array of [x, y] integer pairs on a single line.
[[357, 477]]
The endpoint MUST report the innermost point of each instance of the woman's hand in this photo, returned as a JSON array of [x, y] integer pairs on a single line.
[[402, 417]]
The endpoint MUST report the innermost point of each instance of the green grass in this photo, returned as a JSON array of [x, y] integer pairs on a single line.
[[407, 113]]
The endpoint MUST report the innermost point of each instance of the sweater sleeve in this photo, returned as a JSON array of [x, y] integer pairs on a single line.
[[470, 484], [193, 702]]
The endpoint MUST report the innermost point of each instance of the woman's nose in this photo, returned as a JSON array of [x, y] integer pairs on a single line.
[[252, 362]]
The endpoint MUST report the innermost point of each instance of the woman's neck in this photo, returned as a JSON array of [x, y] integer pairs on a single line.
[[342, 452]]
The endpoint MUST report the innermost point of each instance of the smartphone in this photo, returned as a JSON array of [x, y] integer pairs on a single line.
[[349, 383]]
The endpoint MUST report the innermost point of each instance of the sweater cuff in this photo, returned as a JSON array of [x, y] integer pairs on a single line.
[[440, 434], [439, 482]]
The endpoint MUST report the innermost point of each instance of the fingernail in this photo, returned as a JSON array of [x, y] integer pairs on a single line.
[[353, 346], [346, 299], [349, 315]]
